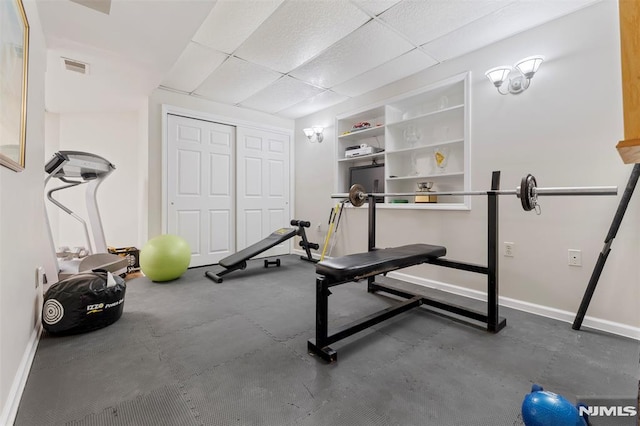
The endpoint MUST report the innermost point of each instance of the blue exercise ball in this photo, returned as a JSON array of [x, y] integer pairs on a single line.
[[543, 408], [165, 258]]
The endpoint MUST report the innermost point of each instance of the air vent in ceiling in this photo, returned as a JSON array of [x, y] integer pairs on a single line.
[[75, 66]]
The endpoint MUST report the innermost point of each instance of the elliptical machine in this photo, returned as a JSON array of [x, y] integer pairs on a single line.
[[75, 168]]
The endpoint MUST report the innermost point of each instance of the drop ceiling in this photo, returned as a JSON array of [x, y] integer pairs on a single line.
[[288, 58]]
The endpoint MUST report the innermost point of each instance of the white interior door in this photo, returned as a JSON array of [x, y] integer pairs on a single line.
[[263, 187], [201, 187]]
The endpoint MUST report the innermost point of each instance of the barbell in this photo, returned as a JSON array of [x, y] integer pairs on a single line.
[[528, 193]]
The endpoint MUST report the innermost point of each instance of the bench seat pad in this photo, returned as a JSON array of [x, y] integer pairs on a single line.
[[361, 265], [276, 237]]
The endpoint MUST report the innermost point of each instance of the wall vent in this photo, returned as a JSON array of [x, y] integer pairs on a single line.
[[75, 66]]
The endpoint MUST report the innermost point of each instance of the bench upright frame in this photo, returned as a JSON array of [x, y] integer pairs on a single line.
[[489, 320]]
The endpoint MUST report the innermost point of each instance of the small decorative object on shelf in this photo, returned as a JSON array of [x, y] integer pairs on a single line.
[[426, 198], [361, 126], [441, 156], [443, 102], [411, 135]]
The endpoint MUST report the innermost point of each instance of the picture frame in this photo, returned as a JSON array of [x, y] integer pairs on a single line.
[[14, 65]]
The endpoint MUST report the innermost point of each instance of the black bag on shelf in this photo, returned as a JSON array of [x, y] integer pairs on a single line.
[[84, 302]]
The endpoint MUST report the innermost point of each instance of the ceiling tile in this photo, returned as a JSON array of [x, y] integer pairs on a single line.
[[376, 7], [152, 33], [423, 21], [231, 22], [299, 30], [280, 95], [394, 70], [194, 65], [236, 80], [371, 45], [514, 18], [311, 105]]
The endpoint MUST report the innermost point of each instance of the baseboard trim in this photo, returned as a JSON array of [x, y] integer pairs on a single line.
[[545, 311], [10, 408]]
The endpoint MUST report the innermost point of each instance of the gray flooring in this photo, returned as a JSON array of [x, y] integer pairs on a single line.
[[192, 352]]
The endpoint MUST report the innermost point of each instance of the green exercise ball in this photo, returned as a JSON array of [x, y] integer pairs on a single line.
[[165, 258]]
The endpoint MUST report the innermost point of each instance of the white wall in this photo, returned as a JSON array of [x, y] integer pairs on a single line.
[[226, 113], [23, 244], [114, 136], [563, 130]]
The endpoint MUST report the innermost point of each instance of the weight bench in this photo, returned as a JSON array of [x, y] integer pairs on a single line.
[[239, 260], [360, 266]]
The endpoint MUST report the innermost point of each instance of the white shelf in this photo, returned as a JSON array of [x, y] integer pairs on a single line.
[[363, 134], [421, 147], [430, 117], [429, 176], [421, 117], [361, 157]]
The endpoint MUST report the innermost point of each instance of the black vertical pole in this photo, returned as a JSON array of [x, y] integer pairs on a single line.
[[322, 312], [372, 234], [602, 257], [372, 222], [492, 254]]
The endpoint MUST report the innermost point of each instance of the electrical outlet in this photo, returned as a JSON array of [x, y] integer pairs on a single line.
[[509, 249], [575, 257], [40, 277]]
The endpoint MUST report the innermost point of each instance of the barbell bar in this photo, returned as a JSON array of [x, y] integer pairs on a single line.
[[528, 192]]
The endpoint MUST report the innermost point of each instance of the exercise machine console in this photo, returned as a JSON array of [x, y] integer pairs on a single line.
[[75, 168]]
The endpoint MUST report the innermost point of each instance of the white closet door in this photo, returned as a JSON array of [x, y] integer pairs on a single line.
[[263, 187], [201, 187]]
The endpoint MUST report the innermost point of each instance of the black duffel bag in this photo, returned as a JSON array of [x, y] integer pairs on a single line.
[[83, 302]]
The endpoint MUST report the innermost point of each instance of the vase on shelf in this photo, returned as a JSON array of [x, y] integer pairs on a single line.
[[441, 158], [414, 168], [411, 136], [443, 103]]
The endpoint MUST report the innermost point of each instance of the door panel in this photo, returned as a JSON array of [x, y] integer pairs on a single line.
[[201, 187], [263, 187], [188, 227]]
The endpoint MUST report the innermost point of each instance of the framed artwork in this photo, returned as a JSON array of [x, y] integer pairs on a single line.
[[14, 61]]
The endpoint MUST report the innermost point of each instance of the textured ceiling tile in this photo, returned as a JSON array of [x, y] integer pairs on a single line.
[[192, 67], [236, 80], [299, 30], [280, 95], [376, 7], [515, 18], [423, 21], [231, 22], [394, 70], [311, 105], [371, 45]]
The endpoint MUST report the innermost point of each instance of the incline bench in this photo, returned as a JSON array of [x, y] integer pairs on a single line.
[[239, 260], [360, 266]]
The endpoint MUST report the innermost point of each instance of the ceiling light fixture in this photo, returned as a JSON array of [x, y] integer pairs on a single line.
[[314, 134], [526, 67]]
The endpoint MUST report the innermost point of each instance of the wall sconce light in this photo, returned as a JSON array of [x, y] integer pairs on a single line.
[[527, 67], [314, 134]]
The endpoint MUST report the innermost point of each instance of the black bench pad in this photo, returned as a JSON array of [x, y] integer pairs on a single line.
[[361, 265], [276, 237]]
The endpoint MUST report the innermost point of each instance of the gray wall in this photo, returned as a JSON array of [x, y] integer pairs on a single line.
[[563, 130], [23, 243]]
